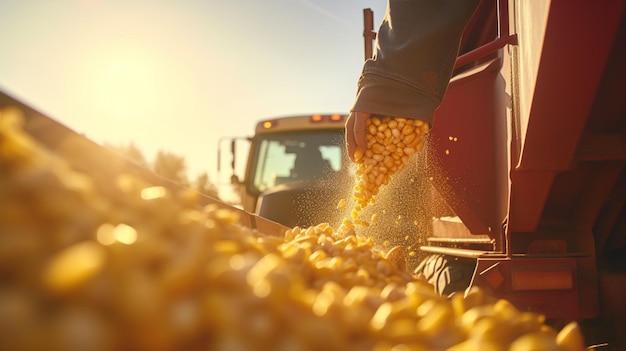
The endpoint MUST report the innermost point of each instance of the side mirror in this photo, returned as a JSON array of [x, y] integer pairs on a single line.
[[234, 180]]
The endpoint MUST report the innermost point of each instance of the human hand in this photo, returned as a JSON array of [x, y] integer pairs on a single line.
[[355, 132]]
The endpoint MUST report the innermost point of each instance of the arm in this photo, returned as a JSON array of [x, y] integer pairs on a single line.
[[416, 48]]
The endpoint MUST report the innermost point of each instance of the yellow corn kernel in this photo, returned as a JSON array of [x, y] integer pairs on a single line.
[[571, 338], [74, 265], [341, 203], [374, 218]]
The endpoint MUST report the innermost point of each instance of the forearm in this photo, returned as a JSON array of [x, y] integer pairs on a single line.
[[416, 48]]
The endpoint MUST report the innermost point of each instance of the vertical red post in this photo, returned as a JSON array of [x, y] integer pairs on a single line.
[[368, 32]]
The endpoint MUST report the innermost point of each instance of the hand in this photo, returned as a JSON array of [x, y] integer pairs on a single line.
[[355, 132]]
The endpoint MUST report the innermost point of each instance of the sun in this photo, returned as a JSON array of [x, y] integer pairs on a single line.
[[128, 88]]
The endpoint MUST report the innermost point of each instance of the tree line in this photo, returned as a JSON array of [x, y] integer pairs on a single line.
[[171, 167]]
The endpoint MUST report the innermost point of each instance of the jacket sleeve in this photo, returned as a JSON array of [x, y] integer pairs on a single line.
[[416, 48]]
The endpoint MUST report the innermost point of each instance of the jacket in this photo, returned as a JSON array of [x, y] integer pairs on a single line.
[[416, 48]]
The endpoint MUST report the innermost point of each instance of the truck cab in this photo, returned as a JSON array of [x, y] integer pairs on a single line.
[[297, 169]]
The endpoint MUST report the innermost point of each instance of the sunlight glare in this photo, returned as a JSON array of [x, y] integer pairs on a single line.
[[128, 88], [125, 234], [105, 234], [153, 192]]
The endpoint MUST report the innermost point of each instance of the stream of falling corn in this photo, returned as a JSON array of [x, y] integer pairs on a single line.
[[94, 263], [391, 142]]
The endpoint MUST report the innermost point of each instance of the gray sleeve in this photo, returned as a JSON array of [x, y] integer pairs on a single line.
[[416, 48]]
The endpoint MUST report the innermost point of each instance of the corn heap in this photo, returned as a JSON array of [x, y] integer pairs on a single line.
[[132, 266], [391, 141]]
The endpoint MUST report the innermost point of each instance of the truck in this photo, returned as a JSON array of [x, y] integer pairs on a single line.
[[297, 169]]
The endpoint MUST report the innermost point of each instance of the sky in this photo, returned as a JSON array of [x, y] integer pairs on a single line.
[[178, 75]]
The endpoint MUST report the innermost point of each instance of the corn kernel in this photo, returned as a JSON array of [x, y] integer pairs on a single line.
[[74, 265]]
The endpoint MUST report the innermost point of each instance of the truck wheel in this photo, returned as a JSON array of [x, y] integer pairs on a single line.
[[447, 274]]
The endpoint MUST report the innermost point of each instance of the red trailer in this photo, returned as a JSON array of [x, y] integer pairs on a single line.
[[526, 162]]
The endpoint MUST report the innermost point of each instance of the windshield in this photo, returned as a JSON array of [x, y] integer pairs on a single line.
[[288, 157]]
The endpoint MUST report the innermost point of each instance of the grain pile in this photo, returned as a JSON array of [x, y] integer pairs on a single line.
[[142, 267]]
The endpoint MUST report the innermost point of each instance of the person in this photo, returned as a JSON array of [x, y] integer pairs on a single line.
[[416, 47], [309, 164]]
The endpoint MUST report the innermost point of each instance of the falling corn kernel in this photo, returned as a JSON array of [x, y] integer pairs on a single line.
[[341, 203], [374, 218]]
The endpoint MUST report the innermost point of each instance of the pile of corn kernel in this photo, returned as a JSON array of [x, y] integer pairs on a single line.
[[391, 141], [140, 267]]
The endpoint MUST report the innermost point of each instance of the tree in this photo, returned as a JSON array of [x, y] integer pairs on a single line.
[[171, 166], [203, 185], [131, 151]]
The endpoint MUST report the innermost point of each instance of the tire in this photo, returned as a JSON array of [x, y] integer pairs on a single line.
[[448, 274]]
